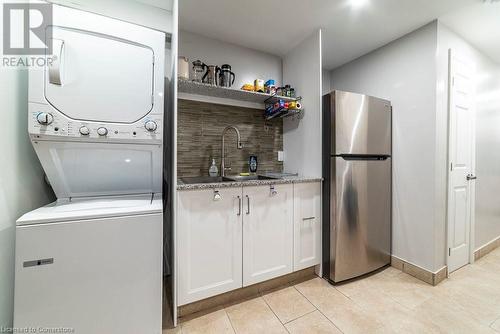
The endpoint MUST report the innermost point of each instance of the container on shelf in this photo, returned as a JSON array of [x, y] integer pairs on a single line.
[[259, 85], [183, 64], [198, 70], [270, 87]]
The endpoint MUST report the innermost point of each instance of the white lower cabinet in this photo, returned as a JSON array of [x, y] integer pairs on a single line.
[[307, 225], [228, 238], [209, 243], [267, 232]]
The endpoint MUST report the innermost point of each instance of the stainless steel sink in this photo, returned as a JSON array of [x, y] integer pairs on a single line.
[[240, 178], [205, 179], [220, 179]]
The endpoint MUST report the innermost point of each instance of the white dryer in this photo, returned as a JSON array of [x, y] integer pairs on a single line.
[[92, 261]]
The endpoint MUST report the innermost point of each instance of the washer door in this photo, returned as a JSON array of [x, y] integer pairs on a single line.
[[97, 77], [77, 169]]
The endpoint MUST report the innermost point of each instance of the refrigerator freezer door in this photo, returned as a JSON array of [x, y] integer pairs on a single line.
[[362, 125], [360, 217]]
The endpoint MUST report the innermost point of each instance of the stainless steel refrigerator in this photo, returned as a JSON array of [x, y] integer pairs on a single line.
[[357, 168]]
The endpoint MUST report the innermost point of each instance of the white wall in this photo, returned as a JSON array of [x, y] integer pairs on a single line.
[[302, 138], [404, 72], [487, 216], [21, 178], [247, 64]]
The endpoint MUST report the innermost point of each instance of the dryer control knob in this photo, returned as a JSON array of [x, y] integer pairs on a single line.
[[85, 131], [44, 118], [150, 126], [102, 131]]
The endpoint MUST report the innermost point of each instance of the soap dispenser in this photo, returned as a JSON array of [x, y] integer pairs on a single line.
[[213, 171]]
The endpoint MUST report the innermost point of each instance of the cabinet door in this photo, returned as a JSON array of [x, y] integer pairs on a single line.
[[267, 232], [209, 243], [307, 225]]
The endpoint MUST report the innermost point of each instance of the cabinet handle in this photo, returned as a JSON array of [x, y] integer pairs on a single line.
[[308, 218], [239, 206], [248, 204]]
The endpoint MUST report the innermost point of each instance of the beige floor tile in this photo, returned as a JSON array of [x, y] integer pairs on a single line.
[[496, 325], [216, 322], [254, 316], [387, 302], [395, 317], [176, 330], [288, 304], [342, 311], [404, 289], [450, 318], [312, 323]]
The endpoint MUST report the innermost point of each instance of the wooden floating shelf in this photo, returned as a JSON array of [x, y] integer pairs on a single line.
[[195, 91]]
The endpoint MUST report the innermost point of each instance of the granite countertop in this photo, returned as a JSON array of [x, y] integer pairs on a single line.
[[227, 184]]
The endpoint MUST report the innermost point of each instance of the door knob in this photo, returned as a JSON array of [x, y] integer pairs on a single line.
[[471, 177]]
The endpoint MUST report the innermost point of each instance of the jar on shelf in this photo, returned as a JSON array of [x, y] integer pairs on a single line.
[[198, 70]]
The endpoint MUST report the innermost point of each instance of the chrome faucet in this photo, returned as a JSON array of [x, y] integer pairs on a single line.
[[239, 145]]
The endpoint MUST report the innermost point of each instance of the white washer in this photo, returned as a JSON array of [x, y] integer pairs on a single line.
[[85, 265], [92, 261]]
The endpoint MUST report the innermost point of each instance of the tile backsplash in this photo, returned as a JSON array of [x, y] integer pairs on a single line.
[[199, 130]]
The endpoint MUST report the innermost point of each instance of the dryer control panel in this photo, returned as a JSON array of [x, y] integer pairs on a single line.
[[43, 121]]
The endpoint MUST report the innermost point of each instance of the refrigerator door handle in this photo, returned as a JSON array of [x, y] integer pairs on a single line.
[[362, 157]]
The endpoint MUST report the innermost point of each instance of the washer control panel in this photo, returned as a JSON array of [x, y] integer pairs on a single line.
[[44, 121]]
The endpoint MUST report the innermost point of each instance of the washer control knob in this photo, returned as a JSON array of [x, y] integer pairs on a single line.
[[44, 118], [102, 131], [150, 126], [85, 131]]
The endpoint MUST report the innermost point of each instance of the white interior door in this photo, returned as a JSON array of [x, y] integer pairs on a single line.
[[461, 158]]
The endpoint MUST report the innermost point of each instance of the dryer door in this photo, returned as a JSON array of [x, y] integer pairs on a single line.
[[78, 169], [97, 77]]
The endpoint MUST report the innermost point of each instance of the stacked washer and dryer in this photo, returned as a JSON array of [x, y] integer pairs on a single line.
[[92, 260]]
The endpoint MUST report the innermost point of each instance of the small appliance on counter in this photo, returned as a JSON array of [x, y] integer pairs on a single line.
[[357, 149]]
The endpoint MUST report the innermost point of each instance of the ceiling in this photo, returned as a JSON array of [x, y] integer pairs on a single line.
[[479, 24], [277, 26]]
